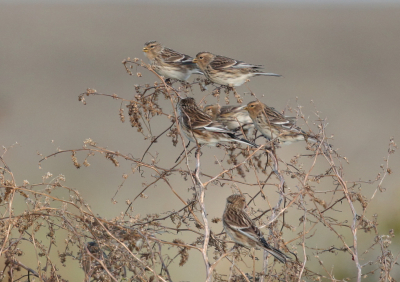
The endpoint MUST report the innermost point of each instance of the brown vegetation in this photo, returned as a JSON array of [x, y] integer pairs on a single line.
[[312, 192]]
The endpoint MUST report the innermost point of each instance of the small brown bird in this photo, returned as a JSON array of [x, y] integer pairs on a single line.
[[227, 71], [199, 126], [239, 226], [234, 118], [169, 63], [272, 124], [89, 264]]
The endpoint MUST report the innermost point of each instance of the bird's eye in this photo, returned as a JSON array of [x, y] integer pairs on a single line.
[[201, 58]]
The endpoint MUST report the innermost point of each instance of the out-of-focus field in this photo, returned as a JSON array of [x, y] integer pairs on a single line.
[[344, 59]]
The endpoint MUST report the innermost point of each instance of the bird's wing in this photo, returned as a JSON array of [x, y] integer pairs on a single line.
[[251, 230], [200, 120], [276, 117], [242, 65], [285, 122], [242, 223], [226, 110], [218, 127], [199, 124], [173, 56], [221, 62]]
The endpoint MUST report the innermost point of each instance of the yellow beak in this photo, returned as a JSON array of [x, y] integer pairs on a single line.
[[194, 61], [246, 108], [145, 49]]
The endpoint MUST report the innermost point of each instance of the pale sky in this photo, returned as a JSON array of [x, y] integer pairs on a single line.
[[377, 2]]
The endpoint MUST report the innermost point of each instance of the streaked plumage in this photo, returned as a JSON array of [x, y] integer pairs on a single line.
[[227, 71], [89, 263], [234, 118], [199, 126], [239, 226], [169, 63], [273, 125]]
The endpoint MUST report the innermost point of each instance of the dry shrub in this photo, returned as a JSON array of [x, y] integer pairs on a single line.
[[310, 190]]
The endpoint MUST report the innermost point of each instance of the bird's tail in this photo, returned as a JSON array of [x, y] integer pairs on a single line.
[[268, 74], [244, 141], [310, 138], [313, 139], [275, 252]]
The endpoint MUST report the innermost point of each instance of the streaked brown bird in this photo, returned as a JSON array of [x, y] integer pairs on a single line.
[[235, 118], [199, 126], [169, 63], [90, 262], [273, 125], [227, 71], [239, 226]]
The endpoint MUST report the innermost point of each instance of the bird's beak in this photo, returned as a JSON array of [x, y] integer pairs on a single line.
[[246, 108], [145, 50], [194, 60]]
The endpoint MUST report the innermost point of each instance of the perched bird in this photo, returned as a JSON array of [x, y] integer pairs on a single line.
[[239, 226], [272, 124], [234, 118], [89, 262], [199, 126], [227, 71], [169, 63]]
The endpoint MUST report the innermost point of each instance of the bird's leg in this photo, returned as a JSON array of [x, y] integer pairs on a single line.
[[236, 248], [168, 81], [275, 142], [216, 91], [230, 88]]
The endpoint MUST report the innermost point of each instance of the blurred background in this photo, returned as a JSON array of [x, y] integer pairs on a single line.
[[339, 58]]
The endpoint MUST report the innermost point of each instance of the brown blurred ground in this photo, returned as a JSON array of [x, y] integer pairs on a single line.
[[345, 59]]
